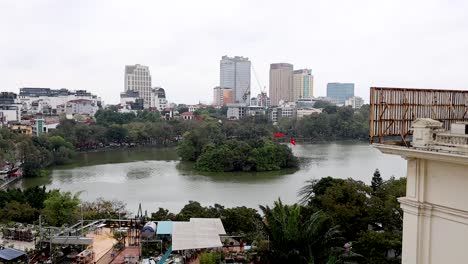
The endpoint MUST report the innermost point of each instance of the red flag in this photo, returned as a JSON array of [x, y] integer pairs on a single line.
[[279, 135], [293, 141]]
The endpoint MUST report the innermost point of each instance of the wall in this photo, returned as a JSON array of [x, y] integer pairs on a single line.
[[435, 222]]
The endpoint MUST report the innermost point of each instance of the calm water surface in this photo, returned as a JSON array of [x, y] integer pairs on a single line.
[[156, 178]]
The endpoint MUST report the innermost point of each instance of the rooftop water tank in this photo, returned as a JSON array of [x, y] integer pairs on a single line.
[[148, 230]]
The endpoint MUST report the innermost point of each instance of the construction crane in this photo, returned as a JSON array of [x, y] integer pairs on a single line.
[[263, 94]]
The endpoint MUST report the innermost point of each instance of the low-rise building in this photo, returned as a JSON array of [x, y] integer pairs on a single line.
[[306, 102], [285, 109], [81, 107], [193, 108], [128, 97], [236, 111], [22, 129], [168, 113], [355, 102], [288, 111], [130, 101], [301, 112], [42, 126], [253, 110], [187, 115], [45, 100], [10, 108], [325, 99], [261, 100], [158, 99]]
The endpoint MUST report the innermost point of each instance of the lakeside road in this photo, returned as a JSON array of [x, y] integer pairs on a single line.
[[10, 182]]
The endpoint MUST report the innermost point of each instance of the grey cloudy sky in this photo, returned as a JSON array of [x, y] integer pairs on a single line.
[[86, 44]]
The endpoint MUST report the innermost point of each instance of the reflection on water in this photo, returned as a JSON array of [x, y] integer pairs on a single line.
[[156, 178], [186, 169]]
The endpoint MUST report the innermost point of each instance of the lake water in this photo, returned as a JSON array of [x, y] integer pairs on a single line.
[[156, 178]]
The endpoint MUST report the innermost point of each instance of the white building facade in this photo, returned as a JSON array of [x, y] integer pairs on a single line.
[[10, 108], [47, 101], [355, 102], [158, 99], [301, 112], [138, 78], [435, 221]]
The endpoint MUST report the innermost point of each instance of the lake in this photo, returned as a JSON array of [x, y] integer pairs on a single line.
[[156, 178]]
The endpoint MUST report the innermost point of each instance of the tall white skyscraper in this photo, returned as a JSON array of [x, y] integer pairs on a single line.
[[138, 78], [303, 84], [281, 82], [235, 74]]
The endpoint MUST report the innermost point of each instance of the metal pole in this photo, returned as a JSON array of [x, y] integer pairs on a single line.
[[81, 219]]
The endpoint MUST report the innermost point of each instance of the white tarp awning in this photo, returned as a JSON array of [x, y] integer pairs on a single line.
[[198, 233]]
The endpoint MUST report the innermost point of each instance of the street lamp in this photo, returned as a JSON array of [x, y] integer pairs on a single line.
[[82, 220]]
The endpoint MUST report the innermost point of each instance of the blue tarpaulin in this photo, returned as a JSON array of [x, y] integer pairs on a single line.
[[164, 228], [11, 254]]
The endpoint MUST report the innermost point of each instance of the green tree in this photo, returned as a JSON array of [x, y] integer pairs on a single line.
[[18, 212], [62, 151], [376, 181], [379, 247], [101, 209], [242, 221], [34, 158], [191, 210], [346, 201], [215, 158], [182, 108], [162, 215], [35, 196], [297, 236], [137, 132], [210, 258], [116, 134], [187, 149], [61, 208]]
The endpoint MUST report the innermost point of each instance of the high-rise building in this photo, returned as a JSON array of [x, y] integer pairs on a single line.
[[303, 84], [339, 92], [138, 78], [222, 96], [235, 74], [281, 82]]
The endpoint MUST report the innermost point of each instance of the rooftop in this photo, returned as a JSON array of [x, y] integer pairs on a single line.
[[428, 135], [11, 254]]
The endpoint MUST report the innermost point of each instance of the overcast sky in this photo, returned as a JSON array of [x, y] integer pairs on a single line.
[[86, 44]]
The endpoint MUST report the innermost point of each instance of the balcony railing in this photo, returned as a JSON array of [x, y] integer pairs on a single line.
[[449, 139]]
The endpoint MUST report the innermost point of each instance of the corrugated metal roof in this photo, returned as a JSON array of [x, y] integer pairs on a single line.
[[11, 254], [196, 234]]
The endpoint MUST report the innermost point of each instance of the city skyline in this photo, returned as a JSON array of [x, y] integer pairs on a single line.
[[88, 43]]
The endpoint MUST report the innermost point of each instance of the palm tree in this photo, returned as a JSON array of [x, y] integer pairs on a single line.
[[297, 237]]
